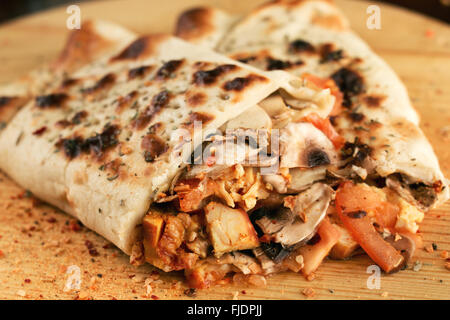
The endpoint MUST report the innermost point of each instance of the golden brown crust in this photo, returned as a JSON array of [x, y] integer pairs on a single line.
[[194, 23], [141, 47], [8, 107], [81, 47]]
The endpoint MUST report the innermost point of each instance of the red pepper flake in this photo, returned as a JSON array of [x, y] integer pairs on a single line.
[[429, 33], [1, 254], [154, 297], [89, 244], [191, 292], [244, 292], [107, 246], [51, 220], [40, 131], [74, 226], [27, 281], [94, 252]]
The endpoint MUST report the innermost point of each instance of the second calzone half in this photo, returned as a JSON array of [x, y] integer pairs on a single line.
[[386, 175]]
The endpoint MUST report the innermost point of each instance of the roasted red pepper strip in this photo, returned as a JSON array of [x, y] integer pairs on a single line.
[[327, 128], [355, 219]]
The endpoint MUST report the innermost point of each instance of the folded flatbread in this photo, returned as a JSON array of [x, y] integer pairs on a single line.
[[102, 143]]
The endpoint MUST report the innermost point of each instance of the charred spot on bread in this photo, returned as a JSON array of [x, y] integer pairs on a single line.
[[64, 123], [153, 147], [134, 50], [373, 101], [193, 23], [104, 83], [98, 143], [240, 83], [53, 100], [79, 116], [207, 77], [356, 116], [195, 99], [4, 100], [72, 147], [298, 46], [349, 82], [138, 72], [247, 59], [356, 150], [275, 64], [202, 117], [67, 83], [168, 68], [126, 101], [159, 101], [328, 53]]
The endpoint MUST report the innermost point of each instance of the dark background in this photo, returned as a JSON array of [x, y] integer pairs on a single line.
[[10, 9]]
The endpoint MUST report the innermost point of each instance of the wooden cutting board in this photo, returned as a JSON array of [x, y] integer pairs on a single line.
[[40, 244]]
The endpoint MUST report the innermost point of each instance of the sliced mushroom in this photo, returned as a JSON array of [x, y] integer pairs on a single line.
[[277, 181], [267, 264], [405, 245], [302, 179], [285, 228], [304, 146], [253, 118], [273, 105]]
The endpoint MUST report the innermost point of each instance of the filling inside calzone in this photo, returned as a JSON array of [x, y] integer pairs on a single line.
[[245, 208]]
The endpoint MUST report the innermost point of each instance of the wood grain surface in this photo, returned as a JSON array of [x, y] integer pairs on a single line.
[[39, 243]]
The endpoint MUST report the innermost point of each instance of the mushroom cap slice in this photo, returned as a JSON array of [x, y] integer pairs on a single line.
[[302, 145], [287, 228], [253, 118]]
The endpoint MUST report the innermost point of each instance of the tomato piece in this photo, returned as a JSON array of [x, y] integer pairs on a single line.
[[328, 83], [313, 255], [327, 128], [353, 202]]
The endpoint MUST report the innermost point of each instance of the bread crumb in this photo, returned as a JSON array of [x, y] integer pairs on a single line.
[[21, 293], [235, 295], [83, 295], [429, 248], [417, 266], [309, 292], [311, 276], [447, 265], [385, 294], [444, 254]]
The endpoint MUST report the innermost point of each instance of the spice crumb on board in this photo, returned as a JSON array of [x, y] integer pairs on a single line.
[[385, 294], [309, 292], [21, 293], [429, 248], [417, 266], [444, 254]]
